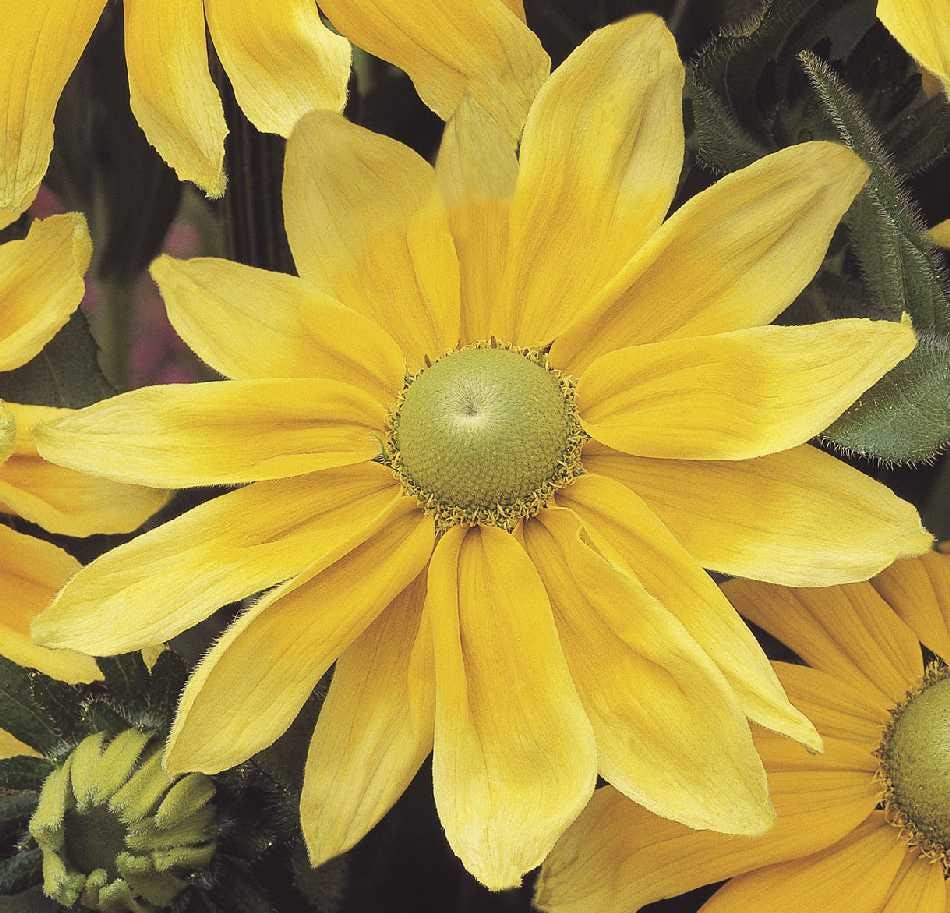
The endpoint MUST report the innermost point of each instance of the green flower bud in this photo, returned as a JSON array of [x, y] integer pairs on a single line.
[[119, 834]]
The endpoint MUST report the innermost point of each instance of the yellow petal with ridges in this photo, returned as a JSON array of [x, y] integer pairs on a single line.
[[514, 759], [366, 225], [374, 729], [7, 432], [866, 643], [923, 29], [31, 571], [253, 682], [918, 590], [600, 160], [670, 732], [173, 96], [218, 308], [41, 44], [736, 395], [837, 524], [41, 284], [628, 534], [732, 257], [280, 58], [163, 582], [452, 48], [218, 433], [919, 886]]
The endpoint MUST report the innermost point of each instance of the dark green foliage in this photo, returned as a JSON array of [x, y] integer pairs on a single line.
[[19, 715], [19, 873], [16, 809], [23, 772]]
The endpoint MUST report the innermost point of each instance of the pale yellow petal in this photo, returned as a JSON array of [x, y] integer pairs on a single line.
[[62, 500], [366, 225], [280, 58], [736, 395], [837, 524], [919, 887], [670, 731], [452, 48], [940, 234], [923, 28], [374, 730], [43, 42], [600, 160], [31, 571], [41, 284], [918, 590], [732, 257], [625, 530], [250, 686], [12, 747], [846, 630], [514, 759], [165, 581], [7, 432], [250, 323], [858, 871], [218, 433], [173, 96], [476, 170]]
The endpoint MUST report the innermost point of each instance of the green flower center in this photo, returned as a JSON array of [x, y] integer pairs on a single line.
[[915, 765], [93, 839], [486, 434]]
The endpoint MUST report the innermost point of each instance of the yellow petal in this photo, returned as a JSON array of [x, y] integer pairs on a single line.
[[165, 581], [65, 501], [44, 41], [452, 48], [940, 234], [866, 643], [173, 96], [734, 256], [374, 730], [12, 747], [7, 432], [837, 524], [918, 887], [628, 534], [918, 590], [31, 571], [218, 433], [476, 170], [41, 284], [514, 759], [250, 686], [670, 732], [858, 871], [250, 323], [600, 160], [280, 58], [618, 856], [367, 226], [923, 28], [736, 395]]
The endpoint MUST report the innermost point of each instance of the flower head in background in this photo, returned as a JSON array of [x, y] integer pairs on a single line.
[[923, 29], [491, 435], [41, 284], [864, 825], [279, 56]]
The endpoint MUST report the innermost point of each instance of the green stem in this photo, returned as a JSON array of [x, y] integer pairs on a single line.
[[115, 329]]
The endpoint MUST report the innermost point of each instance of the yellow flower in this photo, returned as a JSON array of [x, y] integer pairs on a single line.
[[279, 56], [923, 28], [41, 284], [863, 827], [591, 640]]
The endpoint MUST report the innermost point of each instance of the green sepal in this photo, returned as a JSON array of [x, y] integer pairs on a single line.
[[126, 677], [62, 705], [166, 684], [24, 772], [19, 715], [15, 812], [21, 871]]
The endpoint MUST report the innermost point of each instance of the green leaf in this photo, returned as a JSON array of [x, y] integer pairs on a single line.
[[61, 704], [167, 683], [16, 810], [31, 901], [24, 772], [20, 715], [126, 677], [18, 873]]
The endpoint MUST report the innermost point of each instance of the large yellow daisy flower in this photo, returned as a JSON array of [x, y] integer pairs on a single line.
[[281, 59], [663, 429], [923, 28], [41, 284], [864, 826]]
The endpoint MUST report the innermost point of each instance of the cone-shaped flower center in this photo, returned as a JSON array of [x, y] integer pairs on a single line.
[[486, 434], [915, 763], [117, 833]]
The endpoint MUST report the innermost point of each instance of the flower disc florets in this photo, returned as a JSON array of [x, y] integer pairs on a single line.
[[914, 755], [485, 434], [119, 834]]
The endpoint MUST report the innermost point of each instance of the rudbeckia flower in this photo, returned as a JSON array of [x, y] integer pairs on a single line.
[[863, 826], [492, 433], [279, 56], [923, 29], [41, 284]]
